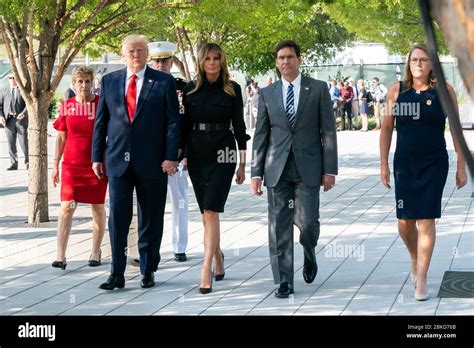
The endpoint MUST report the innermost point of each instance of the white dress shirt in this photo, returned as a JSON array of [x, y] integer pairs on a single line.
[[139, 80], [296, 90]]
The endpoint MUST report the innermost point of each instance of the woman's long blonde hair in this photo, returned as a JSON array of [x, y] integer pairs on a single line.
[[224, 74], [408, 78]]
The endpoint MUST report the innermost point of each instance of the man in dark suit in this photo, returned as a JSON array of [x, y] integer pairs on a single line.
[[161, 58], [295, 151], [137, 133], [14, 116]]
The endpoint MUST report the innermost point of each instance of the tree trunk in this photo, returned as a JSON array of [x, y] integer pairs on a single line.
[[38, 159], [456, 21], [181, 64]]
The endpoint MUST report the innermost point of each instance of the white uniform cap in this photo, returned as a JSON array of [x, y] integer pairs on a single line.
[[161, 49]]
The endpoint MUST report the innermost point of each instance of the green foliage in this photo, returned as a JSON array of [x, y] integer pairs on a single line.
[[395, 23], [54, 105], [249, 30], [318, 36]]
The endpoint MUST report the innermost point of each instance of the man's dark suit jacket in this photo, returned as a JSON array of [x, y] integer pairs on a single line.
[[152, 137]]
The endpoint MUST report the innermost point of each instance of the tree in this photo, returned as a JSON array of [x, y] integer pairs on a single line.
[[32, 32], [395, 23], [248, 32], [456, 20]]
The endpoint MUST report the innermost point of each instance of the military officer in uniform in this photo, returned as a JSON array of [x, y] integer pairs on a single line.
[[161, 58]]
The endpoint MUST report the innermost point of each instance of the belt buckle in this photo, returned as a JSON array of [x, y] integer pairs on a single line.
[[202, 126]]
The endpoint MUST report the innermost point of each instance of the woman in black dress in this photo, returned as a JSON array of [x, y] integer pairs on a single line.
[[213, 103], [420, 162]]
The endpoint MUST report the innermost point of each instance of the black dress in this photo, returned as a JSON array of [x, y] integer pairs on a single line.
[[421, 160], [211, 153]]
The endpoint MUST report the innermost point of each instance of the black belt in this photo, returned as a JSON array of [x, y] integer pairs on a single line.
[[210, 126]]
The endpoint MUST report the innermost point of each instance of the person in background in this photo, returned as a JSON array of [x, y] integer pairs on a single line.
[[14, 117], [378, 93], [161, 58], [420, 163], [96, 88], [78, 181], [334, 94], [253, 92], [213, 103], [70, 92], [363, 104], [346, 96], [355, 104]]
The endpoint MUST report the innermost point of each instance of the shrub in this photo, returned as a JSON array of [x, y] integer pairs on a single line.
[[53, 109]]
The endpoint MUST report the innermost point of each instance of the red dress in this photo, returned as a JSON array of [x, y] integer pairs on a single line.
[[78, 181]]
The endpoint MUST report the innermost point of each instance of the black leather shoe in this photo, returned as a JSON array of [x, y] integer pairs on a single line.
[[13, 167], [27, 166], [309, 270], [148, 280], [181, 257], [59, 264], [114, 281], [205, 291], [218, 277], [284, 290], [95, 263]]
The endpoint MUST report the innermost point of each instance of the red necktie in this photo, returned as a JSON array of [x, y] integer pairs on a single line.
[[131, 97]]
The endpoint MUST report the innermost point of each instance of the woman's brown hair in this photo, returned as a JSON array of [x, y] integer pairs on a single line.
[[408, 78]]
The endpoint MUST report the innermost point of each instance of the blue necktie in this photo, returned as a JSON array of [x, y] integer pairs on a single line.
[[290, 105]]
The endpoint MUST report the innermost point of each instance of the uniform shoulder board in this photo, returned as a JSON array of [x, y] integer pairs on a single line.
[[180, 83]]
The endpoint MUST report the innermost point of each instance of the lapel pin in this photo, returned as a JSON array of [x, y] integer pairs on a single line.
[[150, 81], [428, 102], [306, 88]]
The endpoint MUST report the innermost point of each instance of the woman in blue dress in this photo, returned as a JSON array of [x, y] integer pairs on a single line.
[[420, 161]]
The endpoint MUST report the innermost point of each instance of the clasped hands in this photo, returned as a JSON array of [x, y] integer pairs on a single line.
[[170, 167]]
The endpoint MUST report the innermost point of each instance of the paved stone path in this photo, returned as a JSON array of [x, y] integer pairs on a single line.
[[363, 264]]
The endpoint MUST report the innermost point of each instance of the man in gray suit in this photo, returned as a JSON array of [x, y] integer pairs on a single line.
[[295, 151], [13, 115]]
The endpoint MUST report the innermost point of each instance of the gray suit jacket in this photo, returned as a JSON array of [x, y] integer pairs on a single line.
[[313, 138], [5, 100]]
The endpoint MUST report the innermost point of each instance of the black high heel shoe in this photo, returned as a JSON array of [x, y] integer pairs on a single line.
[[59, 264], [218, 277], [205, 291], [95, 263]]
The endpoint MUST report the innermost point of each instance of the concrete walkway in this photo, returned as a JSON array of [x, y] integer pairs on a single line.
[[363, 264]]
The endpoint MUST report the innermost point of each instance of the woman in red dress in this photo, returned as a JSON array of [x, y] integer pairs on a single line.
[[78, 182]]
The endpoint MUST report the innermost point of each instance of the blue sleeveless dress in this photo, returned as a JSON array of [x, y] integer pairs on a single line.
[[421, 161]]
